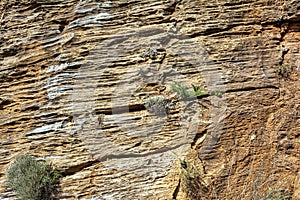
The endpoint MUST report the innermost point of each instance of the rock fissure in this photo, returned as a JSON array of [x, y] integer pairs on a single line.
[[176, 191], [251, 88], [136, 155], [77, 168], [283, 31]]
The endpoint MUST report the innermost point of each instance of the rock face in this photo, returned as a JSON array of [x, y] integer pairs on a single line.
[[76, 75]]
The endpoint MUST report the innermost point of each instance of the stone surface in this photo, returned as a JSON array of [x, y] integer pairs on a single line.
[[75, 76]]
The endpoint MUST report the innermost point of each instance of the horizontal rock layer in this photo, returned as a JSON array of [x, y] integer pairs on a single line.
[[75, 77]]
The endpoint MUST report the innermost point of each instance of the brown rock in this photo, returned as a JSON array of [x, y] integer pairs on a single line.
[[75, 76]]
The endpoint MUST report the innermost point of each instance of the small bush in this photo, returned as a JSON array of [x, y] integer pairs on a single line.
[[198, 91], [284, 70], [181, 90], [31, 179], [149, 53], [190, 180], [185, 93], [158, 106]]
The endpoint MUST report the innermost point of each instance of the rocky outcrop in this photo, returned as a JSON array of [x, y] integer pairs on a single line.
[[76, 75]]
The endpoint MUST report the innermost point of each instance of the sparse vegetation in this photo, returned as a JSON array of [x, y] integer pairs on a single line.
[[157, 105], [198, 91], [277, 195], [217, 93], [31, 179], [284, 70], [149, 53], [190, 180], [181, 90], [185, 93]]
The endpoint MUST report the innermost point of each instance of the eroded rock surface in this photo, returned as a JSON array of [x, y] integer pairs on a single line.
[[75, 76]]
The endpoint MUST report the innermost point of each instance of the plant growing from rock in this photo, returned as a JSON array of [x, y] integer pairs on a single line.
[[31, 179], [185, 93], [191, 181], [217, 93], [277, 195], [284, 70], [180, 89], [198, 91], [150, 52], [157, 105]]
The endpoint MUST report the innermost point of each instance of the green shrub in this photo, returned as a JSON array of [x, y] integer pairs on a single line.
[[284, 70], [185, 93], [31, 179], [181, 90], [157, 105], [190, 180], [198, 91], [217, 93]]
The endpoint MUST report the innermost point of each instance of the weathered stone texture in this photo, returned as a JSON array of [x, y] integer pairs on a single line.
[[75, 76]]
